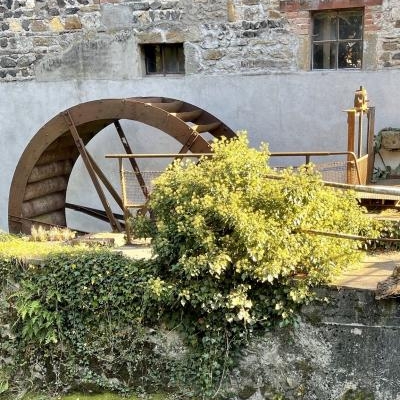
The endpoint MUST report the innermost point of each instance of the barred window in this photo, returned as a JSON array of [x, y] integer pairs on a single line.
[[337, 41], [164, 58]]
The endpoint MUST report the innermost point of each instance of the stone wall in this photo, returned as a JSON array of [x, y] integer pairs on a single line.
[[346, 349], [39, 37], [98, 39]]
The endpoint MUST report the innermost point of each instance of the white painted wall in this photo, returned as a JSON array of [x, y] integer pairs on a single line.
[[292, 112]]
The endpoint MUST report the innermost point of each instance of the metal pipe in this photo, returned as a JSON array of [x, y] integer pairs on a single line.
[[273, 154], [357, 188], [345, 236], [310, 153], [160, 155]]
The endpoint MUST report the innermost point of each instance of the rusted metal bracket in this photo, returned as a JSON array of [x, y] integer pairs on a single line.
[[188, 144], [133, 162], [115, 225]]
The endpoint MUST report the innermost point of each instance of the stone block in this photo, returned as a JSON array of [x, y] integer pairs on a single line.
[[214, 54], [72, 23], [15, 25], [274, 14], [250, 2], [116, 17], [168, 5], [26, 23], [155, 5], [149, 37], [7, 62], [71, 10], [42, 41], [385, 56], [56, 25], [38, 26], [231, 10], [140, 6], [54, 12], [26, 61], [175, 36], [390, 46]]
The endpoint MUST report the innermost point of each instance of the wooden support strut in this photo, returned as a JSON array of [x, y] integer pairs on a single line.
[[351, 118], [370, 145], [133, 162], [105, 181], [115, 225]]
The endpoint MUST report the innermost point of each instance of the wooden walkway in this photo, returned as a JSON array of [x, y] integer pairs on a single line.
[[373, 269]]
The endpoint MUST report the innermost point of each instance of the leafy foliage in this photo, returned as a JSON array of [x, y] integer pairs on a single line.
[[231, 249], [232, 260]]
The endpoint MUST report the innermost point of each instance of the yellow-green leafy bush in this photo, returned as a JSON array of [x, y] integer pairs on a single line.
[[231, 248], [232, 260]]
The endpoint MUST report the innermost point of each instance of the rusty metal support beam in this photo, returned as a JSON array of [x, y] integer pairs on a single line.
[[93, 212], [115, 225], [132, 160]]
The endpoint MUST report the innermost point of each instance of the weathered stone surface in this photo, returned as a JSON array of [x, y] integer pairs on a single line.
[[7, 62], [345, 349], [72, 23], [247, 36]]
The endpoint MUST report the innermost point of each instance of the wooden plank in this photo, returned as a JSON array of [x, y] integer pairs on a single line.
[[115, 225], [351, 121], [44, 187], [43, 205], [206, 127], [188, 115], [57, 168], [172, 106], [370, 144]]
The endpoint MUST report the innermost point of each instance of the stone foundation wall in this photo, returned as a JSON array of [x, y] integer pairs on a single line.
[[346, 349]]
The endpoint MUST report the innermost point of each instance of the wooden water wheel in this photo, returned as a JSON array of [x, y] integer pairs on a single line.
[[39, 186]]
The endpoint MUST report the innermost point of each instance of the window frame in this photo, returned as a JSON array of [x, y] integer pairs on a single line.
[[337, 41], [163, 47]]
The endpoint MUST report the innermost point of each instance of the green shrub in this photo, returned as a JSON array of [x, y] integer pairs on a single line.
[[232, 261], [233, 258]]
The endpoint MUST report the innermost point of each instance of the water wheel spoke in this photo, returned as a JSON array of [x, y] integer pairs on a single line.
[[106, 182], [115, 225], [133, 162], [93, 212]]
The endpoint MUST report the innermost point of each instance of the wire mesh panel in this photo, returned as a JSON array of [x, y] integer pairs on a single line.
[[335, 171], [338, 171], [134, 196]]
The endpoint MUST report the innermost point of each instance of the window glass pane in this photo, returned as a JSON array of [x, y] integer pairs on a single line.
[[173, 59], [325, 27], [350, 26], [350, 54], [153, 59], [324, 56]]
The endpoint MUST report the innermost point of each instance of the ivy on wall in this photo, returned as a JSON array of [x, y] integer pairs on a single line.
[[231, 262]]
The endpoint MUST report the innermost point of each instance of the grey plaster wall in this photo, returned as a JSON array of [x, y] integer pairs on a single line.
[[292, 112]]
